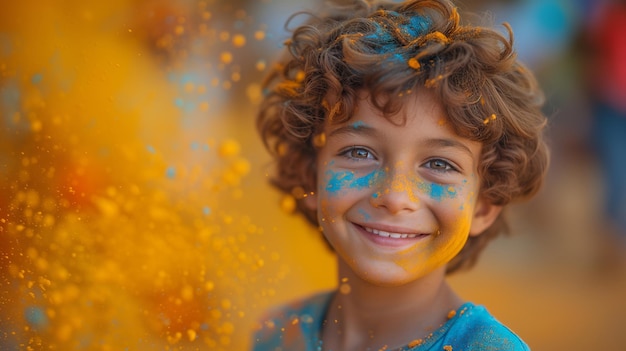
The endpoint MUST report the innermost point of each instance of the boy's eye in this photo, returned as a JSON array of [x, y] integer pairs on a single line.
[[439, 165], [358, 153]]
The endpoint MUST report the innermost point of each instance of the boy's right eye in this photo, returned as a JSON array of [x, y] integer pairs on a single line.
[[358, 153]]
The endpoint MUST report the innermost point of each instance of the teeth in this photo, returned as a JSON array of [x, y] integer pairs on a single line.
[[388, 234]]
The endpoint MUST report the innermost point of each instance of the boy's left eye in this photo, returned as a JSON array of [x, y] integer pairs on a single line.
[[439, 165]]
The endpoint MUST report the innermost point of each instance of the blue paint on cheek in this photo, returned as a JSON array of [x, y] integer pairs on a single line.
[[338, 180], [440, 192], [436, 191], [366, 181]]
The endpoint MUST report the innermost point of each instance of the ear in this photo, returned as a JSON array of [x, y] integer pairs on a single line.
[[310, 201], [485, 213]]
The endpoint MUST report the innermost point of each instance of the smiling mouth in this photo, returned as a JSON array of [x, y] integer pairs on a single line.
[[385, 234]]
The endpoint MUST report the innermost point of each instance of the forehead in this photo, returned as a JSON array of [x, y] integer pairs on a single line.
[[416, 105], [421, 121]]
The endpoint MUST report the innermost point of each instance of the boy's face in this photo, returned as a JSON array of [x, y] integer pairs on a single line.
[[398, 201]]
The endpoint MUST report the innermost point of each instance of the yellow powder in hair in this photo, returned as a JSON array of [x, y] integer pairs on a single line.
[[299, 76], [413, 63], [447, 348], [438, 36], [451, 314], [490, 118], [336, 108], [319, 140], [455, 16], [282, 149]]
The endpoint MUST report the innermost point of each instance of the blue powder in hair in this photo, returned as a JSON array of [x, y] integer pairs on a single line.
[[380, 36], [416, 26], [396, 58], [383, 42]]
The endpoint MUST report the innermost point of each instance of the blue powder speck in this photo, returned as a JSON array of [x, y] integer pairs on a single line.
[[36, 78], [358, 124], [36, 317], [170, 172]]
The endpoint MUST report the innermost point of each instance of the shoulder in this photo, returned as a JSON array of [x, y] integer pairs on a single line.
[[293, 325], [474, 328]]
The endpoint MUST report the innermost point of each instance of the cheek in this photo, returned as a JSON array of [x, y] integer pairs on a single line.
[[453, 236], [335, 184], [453, 196]]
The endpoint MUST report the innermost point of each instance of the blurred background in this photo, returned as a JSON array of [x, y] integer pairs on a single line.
[[134, 207]]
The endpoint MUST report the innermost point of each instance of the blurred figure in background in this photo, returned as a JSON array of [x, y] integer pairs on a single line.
[[606, 81]]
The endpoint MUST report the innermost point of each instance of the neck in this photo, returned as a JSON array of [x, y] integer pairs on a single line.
[[364, 316]]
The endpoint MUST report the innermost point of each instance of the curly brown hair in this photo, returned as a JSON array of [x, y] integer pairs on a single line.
[[390, 49]]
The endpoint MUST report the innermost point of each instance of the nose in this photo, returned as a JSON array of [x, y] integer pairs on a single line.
[[396, 194]]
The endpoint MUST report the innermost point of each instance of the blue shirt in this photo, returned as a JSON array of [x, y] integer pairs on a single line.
[[297, 327]]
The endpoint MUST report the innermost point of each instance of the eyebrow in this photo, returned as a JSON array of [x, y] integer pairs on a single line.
[[354, 128], [442, 142]]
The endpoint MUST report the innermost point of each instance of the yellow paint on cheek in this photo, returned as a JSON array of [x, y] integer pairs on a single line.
[[438, 251]]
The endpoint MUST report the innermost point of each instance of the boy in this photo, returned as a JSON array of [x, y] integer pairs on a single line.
[[405, 133]]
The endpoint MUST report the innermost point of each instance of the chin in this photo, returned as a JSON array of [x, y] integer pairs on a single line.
[[387, 277], [398, 273]]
